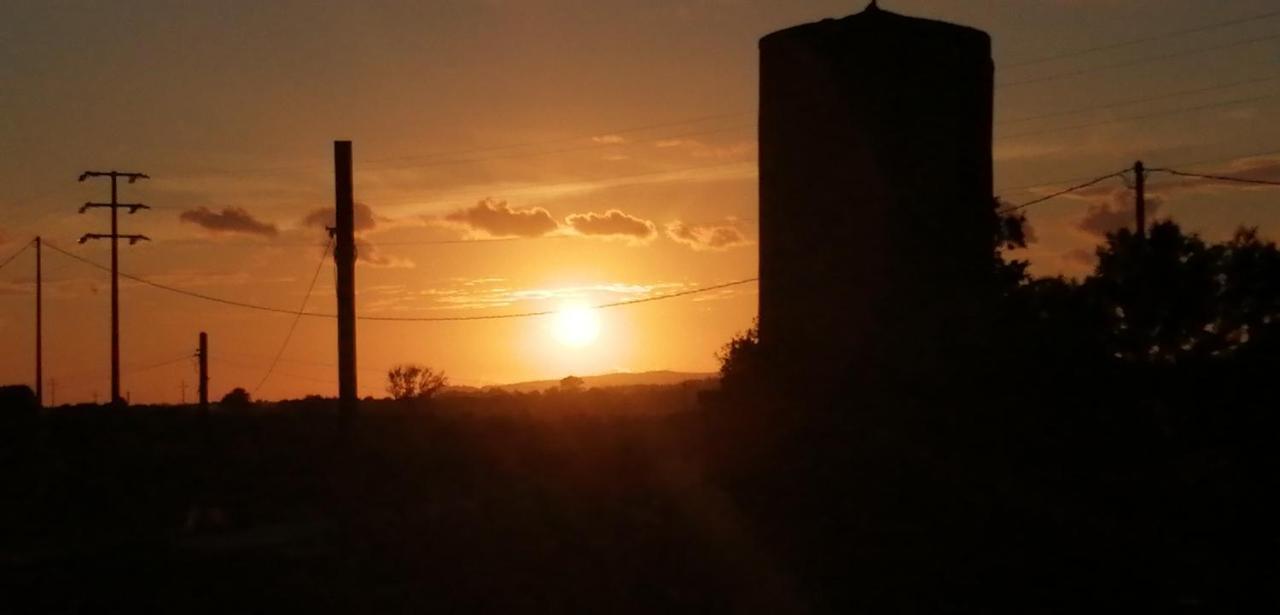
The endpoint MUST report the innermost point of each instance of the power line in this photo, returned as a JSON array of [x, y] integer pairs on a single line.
[[661, 297], [264, 308], [294, 325], [594, 146], [1130, 118], [1134, 101], [134, 370], [492, 148], [178, 290], [15, 255], [1225, 178], [242, 366], [599, 133], [1185, 163], [1227, 159], [1146, 39], [469, 194], [1045, 184], [1137, 61], [1059, 193]]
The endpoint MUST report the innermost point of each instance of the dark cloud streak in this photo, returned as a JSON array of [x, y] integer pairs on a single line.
[[498, 219], [229, 220], [612, 223]]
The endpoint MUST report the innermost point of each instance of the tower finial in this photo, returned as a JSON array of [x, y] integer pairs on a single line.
[[873, 6]]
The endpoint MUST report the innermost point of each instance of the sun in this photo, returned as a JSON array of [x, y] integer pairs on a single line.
[[576, 326]]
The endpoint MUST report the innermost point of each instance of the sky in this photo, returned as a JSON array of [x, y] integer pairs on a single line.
[[526, 156]]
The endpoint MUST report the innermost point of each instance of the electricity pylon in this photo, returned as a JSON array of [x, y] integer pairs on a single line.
[[115, 238]]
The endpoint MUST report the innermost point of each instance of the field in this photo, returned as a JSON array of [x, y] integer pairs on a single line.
[[626, 500]]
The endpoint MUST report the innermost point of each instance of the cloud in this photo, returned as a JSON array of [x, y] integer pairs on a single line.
[[608, 139], [498, 219], [364, 219], [1116, 212], [499, 296], [1264, 169], [706, 237], [229, 220], [1080, 256], [368, 254], [700, 149], [612, 223]]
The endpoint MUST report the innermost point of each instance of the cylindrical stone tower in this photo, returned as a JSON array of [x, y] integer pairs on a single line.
[[875, 190]]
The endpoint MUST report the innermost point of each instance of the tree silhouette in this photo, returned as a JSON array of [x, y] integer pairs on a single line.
[[741, 361], [1172, 296], [571, 383], [413, 381], [236, 398]]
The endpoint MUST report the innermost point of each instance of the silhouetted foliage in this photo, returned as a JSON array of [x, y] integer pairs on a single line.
[[17, 397], [236, 398], [571, 383], [412, 381], [741, 363], [1172, 297]]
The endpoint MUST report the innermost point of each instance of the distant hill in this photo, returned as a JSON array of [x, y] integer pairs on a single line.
[[620, 379]]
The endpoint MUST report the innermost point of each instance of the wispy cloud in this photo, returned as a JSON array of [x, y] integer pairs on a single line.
[[612, 223], [477, 294], [543, 192], [706, 236], [365, 220], [1116, 212], [497, 219], [234, 220]]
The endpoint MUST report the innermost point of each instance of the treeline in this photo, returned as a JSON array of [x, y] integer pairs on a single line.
[[1104, 441]]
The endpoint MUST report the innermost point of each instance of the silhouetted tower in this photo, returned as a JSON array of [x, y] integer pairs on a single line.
[[39, 327], [202, 358], [875, 189], [115, 238], [344, 256]]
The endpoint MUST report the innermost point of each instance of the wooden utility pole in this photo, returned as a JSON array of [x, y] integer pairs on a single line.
[[115, 238], [1140, 199], [39, 329], [344, 256], [202, 354]]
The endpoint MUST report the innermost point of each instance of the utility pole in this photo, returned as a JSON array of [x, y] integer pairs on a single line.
[[344, 256], [115, 238], [39, 329], [1140, 199], [202, 355]]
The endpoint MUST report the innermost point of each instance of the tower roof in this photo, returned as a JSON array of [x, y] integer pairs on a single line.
[[877, 23]]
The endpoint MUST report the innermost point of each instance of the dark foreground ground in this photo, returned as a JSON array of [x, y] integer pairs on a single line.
[[626, 503]]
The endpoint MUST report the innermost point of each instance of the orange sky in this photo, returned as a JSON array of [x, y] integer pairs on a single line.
[[530, 121]]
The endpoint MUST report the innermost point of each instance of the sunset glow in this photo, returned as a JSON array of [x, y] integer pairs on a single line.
[[576, 326], [605, 163]]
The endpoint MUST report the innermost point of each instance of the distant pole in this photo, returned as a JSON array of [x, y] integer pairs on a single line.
[[1140, 199], [39, 329], [115, 238], [202, 354], [344, 256]]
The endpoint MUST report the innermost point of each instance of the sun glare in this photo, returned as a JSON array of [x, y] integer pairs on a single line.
[[576, 326]]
